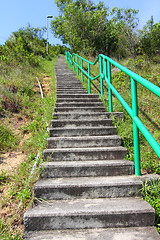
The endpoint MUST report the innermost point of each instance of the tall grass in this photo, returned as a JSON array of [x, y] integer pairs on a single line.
[[18, 184]]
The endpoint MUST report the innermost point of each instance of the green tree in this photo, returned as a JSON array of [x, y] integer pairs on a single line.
[[150, 38], [83, 25], [124, 24], [24, 45], [93, 29], [31, 39]]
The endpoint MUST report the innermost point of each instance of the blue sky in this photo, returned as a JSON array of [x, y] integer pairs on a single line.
[[15, 14]]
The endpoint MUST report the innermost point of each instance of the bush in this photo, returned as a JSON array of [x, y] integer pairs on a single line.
[[7, 138], [150, 193]]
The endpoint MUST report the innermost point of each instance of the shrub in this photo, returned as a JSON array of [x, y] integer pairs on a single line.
[[150, 193], [7, 138]]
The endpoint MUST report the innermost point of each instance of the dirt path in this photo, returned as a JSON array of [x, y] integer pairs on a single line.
[[10, 161]]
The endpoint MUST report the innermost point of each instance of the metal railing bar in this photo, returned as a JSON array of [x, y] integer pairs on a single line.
[[150, 86], [123, 102], [148, 136], [92, 63], [87, 73], [105, 74]]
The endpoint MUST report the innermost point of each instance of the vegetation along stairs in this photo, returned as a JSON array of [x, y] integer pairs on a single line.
[[87, 190]]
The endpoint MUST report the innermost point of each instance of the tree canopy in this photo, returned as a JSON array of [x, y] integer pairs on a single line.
[[93, 28]]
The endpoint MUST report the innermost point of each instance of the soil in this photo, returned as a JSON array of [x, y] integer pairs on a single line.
[[10, 161], [46, 85]]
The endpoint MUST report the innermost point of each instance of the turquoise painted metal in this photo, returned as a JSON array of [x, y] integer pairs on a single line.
[[89, 79], [82, 70], [101, 76], [105, 74]]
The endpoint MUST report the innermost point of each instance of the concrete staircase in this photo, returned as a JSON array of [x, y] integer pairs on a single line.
[[87, 190]]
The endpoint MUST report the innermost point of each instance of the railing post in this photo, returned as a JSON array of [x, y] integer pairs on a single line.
[[135, 128], [67, 57], [77, 67], [101, 78], [70, 60], [109, 89], [89, 81], [81, 70], [73, 62]]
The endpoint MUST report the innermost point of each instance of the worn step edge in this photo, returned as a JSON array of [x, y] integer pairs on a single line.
[[77, 95], [86, 168], [71, 154], [90, 115], [80, 109], [70, 100], [82, 131], [89, 213], [87, 187], [79, 104], [69, 88], [69, 84], [130, 233], [74, 123], [81, 141]]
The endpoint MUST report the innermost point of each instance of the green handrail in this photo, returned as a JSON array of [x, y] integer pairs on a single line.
[[105, 74]]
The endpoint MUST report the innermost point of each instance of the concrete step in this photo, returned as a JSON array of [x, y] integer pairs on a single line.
[[70, 100], [68, 76], [82, 154], [86, 168], [89, 115], [82, 131], [87, 187], [78, 123], [70, 88], [70, 83], [59, 71], [68, 79], [79, 104], [130, 233], [64, 76], [60, 74], [63, 84], [83, 141], [73, 95], [71, 91], [89, 213], [80, 109]]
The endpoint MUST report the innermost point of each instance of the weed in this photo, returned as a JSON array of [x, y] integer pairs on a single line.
[[6, 234], [151, 193], [7, 138], [38, 112], [3, 176]]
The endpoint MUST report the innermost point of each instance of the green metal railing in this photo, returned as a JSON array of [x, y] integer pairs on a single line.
[[105, 75]]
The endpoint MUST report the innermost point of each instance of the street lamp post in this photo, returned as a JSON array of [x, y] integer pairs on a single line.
[[47, 32]]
